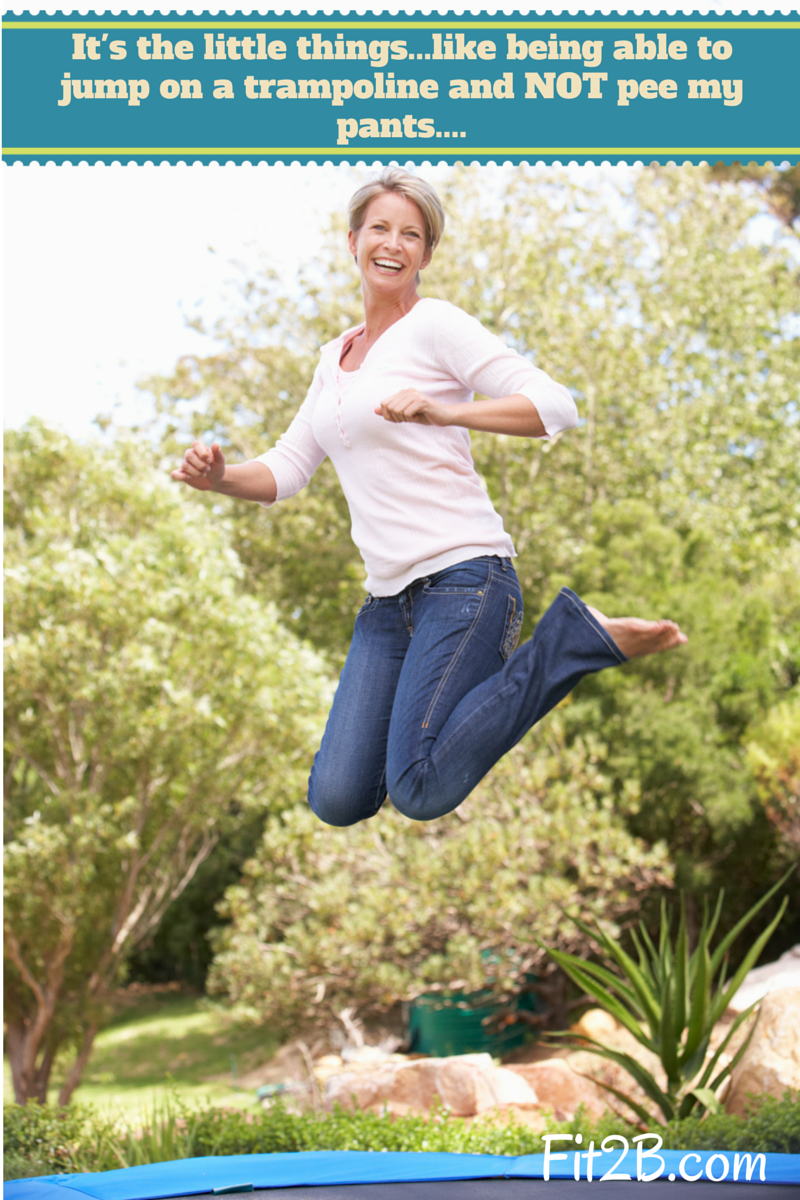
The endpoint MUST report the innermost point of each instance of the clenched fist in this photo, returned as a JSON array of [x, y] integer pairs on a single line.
[[202, 468]]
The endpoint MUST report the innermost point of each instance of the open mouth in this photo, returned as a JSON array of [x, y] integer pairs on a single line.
[[388, 265]]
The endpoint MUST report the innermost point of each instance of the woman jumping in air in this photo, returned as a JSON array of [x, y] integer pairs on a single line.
[[434, 690]]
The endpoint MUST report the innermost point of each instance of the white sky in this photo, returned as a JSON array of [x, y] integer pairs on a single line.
[[103, 267]]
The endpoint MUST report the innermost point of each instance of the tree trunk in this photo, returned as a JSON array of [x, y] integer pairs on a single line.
[[78, 1067], [15, 1039], [30, 1082]]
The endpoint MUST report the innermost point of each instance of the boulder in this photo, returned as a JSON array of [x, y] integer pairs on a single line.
[[783, 973], [598, 1025], [771, 1062], [467, 1084], [558, 1087]]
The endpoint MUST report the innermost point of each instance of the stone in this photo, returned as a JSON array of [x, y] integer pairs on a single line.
[[509, 1087], [783, 973], [771, 1062], [559, 1088], [359, 1089], [598, 1025], [467, 1084]]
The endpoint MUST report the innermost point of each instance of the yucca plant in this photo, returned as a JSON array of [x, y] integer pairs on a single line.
[[670, 1000]]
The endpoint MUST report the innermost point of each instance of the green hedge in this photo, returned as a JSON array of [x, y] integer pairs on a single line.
[[45, 1141]]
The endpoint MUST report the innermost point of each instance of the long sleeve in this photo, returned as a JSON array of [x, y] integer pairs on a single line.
[[485, 364], [296, 455]]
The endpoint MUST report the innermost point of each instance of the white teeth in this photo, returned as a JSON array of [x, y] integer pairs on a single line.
[[385, 262]]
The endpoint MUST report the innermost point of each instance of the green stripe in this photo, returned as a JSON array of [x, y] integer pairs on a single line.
[[453, 25]]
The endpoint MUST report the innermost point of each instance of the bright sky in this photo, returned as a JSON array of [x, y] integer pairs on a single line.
[[103, 267]]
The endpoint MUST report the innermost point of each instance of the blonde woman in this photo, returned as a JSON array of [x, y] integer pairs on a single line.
[[434, 690]]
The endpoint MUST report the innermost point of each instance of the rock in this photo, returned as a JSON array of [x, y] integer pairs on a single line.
[[771, 1062], [783, 973], [598, 1025], [468, 1084], [327, 1066], [359, 1089], [558, 1087], [509, 1087]]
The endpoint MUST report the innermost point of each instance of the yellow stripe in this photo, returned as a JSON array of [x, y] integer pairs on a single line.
[[367, 150], [454, 24]]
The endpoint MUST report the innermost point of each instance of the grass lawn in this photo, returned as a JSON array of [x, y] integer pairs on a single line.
[[160, 1043]]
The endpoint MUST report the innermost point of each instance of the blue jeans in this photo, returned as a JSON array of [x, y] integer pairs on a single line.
[[434, 691]]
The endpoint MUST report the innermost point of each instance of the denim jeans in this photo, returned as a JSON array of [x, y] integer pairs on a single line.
[[434, 692]]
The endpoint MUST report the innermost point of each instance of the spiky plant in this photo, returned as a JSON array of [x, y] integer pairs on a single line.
[[670, 1001]]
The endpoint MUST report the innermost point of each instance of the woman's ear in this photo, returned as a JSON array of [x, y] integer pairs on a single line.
[[352, 242]]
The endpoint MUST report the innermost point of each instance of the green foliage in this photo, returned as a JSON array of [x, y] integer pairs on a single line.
[[42, 1137], [780, 188], [390, 908], [179, 949], [773, 753], [148, 702], [670, 1001], [44, 1141], [674, 725]]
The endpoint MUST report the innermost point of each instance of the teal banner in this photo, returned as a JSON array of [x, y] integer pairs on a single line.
[[346, 88]]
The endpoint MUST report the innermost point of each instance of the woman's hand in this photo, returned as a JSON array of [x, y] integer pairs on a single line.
[[513, 414], [202, 468], [411, 405]]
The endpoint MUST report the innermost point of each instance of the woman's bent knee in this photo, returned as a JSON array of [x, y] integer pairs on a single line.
[[418, 795], [341, 806]]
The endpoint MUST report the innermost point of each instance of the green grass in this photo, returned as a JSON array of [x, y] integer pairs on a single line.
[[161, 1044]]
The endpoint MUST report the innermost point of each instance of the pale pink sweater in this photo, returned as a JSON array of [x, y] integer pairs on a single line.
[[416, 502]]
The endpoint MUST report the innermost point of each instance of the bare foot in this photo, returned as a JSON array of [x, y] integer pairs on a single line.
[[636, 638]]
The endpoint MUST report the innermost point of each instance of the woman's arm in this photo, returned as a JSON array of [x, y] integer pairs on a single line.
[[281, 472], [487, 366], [515, 414], [204, 468]]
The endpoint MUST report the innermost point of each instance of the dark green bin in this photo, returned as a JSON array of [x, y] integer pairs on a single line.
[[441, 1026]]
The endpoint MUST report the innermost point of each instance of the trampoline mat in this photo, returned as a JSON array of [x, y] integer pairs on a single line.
[[527, 1189]]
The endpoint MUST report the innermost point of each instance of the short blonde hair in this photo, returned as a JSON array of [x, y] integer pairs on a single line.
[[395, 179]]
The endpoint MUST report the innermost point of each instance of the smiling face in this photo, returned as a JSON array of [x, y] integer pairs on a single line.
[[390, 247]]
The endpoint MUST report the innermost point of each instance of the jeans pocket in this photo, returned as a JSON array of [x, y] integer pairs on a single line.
[[463, 578], [369, 603], [512, 629]]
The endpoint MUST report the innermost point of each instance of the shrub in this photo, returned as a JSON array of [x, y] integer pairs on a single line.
[[41, 1140]]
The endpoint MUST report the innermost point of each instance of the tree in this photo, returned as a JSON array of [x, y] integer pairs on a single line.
[[390, 908], [780, 188], [773, 750], [149, 702]]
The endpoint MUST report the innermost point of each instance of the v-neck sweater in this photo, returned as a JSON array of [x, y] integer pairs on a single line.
[[417, 504]]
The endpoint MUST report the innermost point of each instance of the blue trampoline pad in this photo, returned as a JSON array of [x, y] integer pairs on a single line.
[[361, 1175]]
